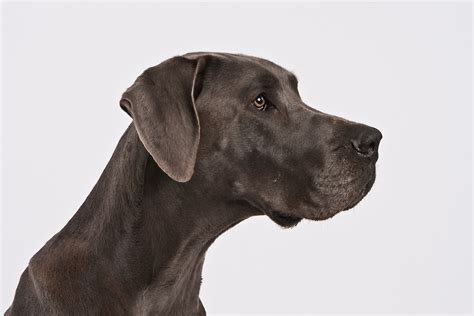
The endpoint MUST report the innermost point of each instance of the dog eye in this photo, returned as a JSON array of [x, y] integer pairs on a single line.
[[260, 103]]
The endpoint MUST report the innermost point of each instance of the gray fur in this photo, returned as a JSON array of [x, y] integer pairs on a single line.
[[198, 158]]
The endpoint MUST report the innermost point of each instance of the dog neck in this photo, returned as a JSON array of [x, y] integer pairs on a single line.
[[153, 230]]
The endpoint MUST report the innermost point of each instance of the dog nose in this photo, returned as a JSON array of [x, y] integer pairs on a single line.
[[366, 141]]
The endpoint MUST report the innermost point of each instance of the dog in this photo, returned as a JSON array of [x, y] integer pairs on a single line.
[[215, 138]]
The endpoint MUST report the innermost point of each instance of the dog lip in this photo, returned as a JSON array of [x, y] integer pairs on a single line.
[[362, 194]]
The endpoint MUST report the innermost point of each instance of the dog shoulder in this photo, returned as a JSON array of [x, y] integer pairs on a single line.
[[66, 278]]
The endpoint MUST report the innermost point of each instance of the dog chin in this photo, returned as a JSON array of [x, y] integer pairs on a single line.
[[320, 211], [287, 220], [283, 219]]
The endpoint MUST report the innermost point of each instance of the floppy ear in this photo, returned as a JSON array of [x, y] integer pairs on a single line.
[[161, 103]]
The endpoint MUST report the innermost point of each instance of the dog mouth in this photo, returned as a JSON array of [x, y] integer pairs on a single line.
[[286, 220], [313, 210]]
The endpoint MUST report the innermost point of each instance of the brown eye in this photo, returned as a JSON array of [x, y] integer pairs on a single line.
[[260, 103]]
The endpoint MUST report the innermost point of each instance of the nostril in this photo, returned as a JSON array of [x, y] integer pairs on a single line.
[[366, 150], [371, 147], [357, 146]]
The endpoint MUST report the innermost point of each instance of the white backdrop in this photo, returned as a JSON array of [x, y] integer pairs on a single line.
[[404, 68]]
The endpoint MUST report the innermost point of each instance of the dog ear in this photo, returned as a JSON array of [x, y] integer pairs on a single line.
[[162, 105]]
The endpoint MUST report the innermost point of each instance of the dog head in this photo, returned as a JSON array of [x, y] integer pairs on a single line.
[[239, 122]]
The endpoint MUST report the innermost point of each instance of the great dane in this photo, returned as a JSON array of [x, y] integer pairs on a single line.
[[216, 138]]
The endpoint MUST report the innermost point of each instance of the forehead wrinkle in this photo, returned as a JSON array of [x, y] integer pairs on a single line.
[[260, 79], [268, 81]]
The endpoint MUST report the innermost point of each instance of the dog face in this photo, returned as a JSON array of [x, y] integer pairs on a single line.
[[239, 123]]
